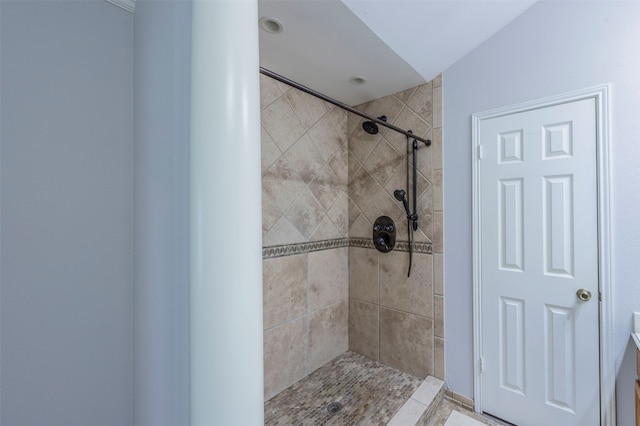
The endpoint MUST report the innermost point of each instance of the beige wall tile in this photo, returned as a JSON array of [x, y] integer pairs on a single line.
[[438, 278], [363, 274], [339, 213], [305, 158], [328, 334], [384, 162], [363, 188], [361, 228], [437, 189], [284, 88], [363, 328], [284, 289], [340, 166], [425, 166], [407, 120], [438, 316], [326, 138], [338, 117], [269, 150], [282, 182], [422, 102], [398, 180], [437, 232], [436, 148], [437, 81], [353, 120], [405, 95], [354, 211], [325, 231], [361, 143], [406, 342], [285, 356], [402, 225], [282, 124], [425, 216], [409, 294], [354, 166], [388, 105], [283, 232], [437, 107], [383, 205], [328, 278], [270, 213], [308, 108], [326, 187], [438, 354], [269, 91], [305, 213]]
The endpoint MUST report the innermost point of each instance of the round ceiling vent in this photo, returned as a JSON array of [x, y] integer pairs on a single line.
[[357, 80], [271, 25]]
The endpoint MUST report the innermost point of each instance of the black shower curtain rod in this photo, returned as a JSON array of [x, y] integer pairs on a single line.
[[312, 92]]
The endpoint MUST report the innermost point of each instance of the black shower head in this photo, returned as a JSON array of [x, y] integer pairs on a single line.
[[371, 127]]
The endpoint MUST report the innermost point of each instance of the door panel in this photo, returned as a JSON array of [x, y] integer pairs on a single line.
[[557, 227], [560, 352], [512, 347], [538, 243]]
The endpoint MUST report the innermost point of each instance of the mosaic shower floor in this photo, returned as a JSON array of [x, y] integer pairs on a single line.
[[370, 394]]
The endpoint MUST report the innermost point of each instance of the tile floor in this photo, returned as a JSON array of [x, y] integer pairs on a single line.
[[369, 392]]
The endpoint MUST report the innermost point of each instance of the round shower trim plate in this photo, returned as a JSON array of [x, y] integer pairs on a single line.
[[271, 25]]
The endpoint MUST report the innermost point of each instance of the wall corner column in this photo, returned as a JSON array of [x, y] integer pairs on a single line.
[[226, 229]]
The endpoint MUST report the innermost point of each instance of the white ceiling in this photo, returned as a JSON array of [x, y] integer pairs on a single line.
[[394, 44]]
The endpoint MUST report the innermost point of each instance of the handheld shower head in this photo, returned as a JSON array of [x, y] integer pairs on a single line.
[[401, 195]]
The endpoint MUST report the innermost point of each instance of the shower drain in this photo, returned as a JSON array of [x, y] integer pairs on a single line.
[[334, 407]]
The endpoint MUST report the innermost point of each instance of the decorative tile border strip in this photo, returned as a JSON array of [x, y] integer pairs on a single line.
[[422, 248], [301, 248]]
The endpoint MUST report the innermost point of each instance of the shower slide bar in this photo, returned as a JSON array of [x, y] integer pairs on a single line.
[[312, 92], [401, 195]]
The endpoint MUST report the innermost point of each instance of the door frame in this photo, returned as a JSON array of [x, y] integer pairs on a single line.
[[607, 363]]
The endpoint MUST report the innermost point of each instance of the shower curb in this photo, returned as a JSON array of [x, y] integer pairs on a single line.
[[424, 402]]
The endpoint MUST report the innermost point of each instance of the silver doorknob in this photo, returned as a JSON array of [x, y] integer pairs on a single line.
[[584, 295]]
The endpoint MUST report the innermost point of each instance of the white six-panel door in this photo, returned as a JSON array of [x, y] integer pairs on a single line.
[[538, 248]]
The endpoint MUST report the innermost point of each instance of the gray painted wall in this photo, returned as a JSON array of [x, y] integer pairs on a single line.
[[553, 48], [66, 218], [162, 100]]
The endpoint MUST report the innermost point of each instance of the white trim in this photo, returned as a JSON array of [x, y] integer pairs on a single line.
[[128, 5], [607, 362], [477, 262]]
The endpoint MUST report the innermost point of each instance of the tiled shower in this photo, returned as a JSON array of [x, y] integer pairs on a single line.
[[325, 181]]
